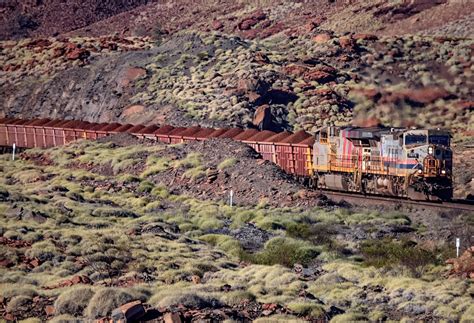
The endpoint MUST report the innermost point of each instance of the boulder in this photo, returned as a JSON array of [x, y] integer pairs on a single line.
[[130, 74], [346, 42], [464, 265], [262, 118], [133, 109], [251, 20], [78, 53], [364, 37], [172, 318], [132, 311], [40, 42], [217, 25], [49, 310], [420, 96], [295, 70], [322, 38], [319, 76]]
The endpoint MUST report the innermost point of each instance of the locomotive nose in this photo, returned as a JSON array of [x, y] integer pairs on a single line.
[[437, 162]]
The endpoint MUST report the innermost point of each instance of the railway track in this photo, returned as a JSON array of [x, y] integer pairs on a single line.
[[465, 206]]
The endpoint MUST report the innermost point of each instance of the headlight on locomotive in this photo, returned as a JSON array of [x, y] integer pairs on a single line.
[[430, 150]]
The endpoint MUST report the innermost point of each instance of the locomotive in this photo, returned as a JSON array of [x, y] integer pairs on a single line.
[[412, 163]]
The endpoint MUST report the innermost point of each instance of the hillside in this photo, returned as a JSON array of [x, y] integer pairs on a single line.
[[94, 225]]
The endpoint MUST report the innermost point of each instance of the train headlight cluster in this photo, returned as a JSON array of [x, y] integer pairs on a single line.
[[443, 172], [430, 150]]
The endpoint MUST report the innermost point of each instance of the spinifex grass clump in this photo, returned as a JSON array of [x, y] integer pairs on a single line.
[[389, 253]]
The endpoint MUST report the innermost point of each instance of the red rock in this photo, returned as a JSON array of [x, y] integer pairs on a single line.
[[369, 122], [7, 263], [130, 312], [58, 52], [261, 58], [8, 317], [319, 76], [251, 20], [131, 74], [216, 25], [70, 46], [270, 306], [365, 37], [49, 310], [465, 105], [423, 96], [262, 117], [310, 26], [295, 70], [346, 42], [322, 38], [368, 93], [78, 53], [247, 24], [265, 24], [172, 318], [196, 279], [35, 262], [41, 42]]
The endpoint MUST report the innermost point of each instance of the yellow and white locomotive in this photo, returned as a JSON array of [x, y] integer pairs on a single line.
[[413, 163]]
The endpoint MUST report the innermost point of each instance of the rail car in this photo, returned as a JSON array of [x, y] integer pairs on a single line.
[[409, 163]]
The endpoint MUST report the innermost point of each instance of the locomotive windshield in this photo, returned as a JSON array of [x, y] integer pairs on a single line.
[[439, 140], [415, 139]]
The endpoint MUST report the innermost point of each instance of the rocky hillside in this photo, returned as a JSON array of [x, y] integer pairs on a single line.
[[146, 17], [217, 63], [24, 18], [91, 226]]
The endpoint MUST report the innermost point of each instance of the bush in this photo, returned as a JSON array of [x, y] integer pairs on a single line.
[[284, 251], [18, 303], [319, 233], [229, 162], [107, 299], [223, 242], [307, 309], [73, 301], [188, 299], [387, 253], [44, 250]]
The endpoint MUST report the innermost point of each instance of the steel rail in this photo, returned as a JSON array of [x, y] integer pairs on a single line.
[[461, 205]]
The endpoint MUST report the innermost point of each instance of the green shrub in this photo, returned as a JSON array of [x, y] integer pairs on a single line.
[[107, 299], [388, 253], [284, 251], [190, 299], [110, 211], [17, 303], [223, 242], [145, 187], [229, 162], [307, 309], [73, 301]]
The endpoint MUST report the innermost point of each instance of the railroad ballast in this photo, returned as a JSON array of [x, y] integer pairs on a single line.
[[411, 163]]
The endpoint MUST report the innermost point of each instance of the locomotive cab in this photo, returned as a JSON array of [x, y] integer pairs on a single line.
[[430, 152]]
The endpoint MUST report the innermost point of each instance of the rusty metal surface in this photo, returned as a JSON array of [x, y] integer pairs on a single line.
[[246, 134], [261, 135], [163, 130], [288, 150], [149, 129], [295, 138]]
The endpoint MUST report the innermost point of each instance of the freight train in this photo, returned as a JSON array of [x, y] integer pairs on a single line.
[[409, 163]]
